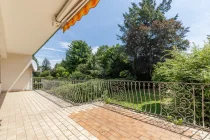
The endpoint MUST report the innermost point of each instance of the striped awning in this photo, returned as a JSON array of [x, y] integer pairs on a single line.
[[82, 12]]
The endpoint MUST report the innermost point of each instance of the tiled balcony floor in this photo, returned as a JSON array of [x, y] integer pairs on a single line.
[[28, 115]]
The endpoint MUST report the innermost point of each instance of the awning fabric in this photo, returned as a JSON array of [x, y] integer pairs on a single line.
[[82, 12]]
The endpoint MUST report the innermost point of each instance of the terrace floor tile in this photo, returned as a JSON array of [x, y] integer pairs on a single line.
[[29, 115]]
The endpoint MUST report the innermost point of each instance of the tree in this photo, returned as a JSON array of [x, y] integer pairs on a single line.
[[46, 65], [184, 67], [147, 35], [108, 62], [60, 71], [91, 68], [103, 60], [112, 60], [208, 37], [94, 68], [78, 53]]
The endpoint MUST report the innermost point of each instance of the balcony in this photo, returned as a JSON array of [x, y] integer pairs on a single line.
[[29, 115], [101, 109]]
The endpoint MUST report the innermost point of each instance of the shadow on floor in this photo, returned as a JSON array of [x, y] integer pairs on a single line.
[[2, 96]]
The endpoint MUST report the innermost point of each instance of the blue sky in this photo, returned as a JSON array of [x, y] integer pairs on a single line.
[[100, 26]]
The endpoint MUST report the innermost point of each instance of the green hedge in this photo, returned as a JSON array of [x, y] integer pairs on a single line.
[[77, 91]]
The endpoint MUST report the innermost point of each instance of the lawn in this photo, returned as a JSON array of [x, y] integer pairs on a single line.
[[140, 101]]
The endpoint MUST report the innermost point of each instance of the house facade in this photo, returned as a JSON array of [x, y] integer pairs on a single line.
[[25, 26]]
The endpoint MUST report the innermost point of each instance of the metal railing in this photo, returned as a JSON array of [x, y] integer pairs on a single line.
[[37, 83], [177, 102]]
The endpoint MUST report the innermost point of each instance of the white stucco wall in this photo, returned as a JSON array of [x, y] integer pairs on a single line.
[[11, 68]]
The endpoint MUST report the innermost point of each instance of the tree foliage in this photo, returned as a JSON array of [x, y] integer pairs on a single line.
[[112, 60], [60, 71], [45, 73], [147, 34], [78, 53], [46, 65], [185, 67], [79, 76], [108, 62], [208, 37]]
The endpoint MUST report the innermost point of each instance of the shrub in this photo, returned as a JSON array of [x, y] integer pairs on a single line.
[[80, 92], [126, 74], [108, 100], [188, 68], [79, 76], [49, 77], [45, 73], [184, 67]]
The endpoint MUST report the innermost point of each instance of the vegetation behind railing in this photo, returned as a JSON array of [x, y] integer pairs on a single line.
[[178, 102]]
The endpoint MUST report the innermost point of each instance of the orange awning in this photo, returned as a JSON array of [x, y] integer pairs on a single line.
[[82, 12]]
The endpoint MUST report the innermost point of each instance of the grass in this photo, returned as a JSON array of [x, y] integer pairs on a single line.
[[139, 101], [150, 106]]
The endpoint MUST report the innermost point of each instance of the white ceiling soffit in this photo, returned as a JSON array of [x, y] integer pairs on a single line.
[[28, 24]]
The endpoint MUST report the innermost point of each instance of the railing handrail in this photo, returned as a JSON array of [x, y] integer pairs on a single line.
[[187, 83]]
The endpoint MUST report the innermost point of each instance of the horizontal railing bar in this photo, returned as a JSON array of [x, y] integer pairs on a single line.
[[132, 81]]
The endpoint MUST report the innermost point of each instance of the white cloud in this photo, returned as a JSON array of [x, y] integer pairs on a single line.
[[94, 49], [134, 1], [198, 19], [56, 60], [41, 55], [199, 31], [64, 44], [52, 49]]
